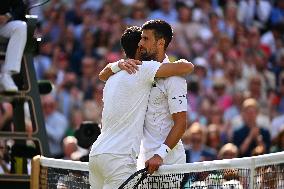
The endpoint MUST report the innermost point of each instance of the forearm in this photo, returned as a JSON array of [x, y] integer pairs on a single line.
[[130, 66], [245, 145], [177, 130], [175, 69], [106, 73]]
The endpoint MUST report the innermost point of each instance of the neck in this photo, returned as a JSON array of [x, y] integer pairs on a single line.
[[161, 56]]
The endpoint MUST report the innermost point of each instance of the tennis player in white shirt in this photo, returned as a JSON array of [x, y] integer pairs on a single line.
[[112, 158], [165, 120]]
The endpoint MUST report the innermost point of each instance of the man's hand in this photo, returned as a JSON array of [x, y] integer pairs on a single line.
[[254, 132], [129, 65], [154, 163], [3, 19]]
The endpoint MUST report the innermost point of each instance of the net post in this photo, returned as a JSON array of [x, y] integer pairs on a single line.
[[34, 184], [252, 172]]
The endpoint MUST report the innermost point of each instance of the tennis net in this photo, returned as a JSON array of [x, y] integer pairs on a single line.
[[259, 172]]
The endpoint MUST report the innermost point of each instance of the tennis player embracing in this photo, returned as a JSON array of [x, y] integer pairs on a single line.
[[112, 158]]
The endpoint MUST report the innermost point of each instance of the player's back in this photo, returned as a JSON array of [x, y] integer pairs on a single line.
[[125, 101]]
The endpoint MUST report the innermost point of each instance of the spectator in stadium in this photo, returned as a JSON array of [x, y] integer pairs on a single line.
[[69, 96], [166, 12], [279, 142], [247, 137], [254, 12], [214, 137], [12, 26], [56, 125], [195, 138], [273, 36], [277, 125], [123, 114], [277, 12]]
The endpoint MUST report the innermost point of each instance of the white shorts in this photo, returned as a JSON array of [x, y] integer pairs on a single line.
[[176, 156], [109, 171]]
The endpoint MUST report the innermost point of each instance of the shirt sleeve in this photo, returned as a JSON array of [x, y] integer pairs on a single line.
[[148, 70], [177, 89]]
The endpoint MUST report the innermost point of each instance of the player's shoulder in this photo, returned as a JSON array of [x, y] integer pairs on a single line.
[[174, 79], [148, 66], [150, 63]]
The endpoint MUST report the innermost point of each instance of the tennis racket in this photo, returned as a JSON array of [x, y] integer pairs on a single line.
[[134, 180]]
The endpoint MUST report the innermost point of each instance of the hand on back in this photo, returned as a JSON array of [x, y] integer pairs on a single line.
[[129, 65]]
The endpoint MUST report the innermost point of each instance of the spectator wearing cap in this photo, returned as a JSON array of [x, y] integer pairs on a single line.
[[247, 136]]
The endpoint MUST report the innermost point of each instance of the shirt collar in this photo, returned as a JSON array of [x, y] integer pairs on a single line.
[[166, 60]]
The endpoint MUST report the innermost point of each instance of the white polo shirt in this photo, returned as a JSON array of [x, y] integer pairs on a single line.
[[125, 98], [167, 97]]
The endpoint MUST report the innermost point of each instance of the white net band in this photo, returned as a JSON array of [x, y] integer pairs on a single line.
[[265, 171]]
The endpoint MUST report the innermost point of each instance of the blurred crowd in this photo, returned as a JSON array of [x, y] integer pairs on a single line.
[[235, 95]]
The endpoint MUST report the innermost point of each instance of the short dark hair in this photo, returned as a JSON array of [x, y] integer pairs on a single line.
[[130, 39], [161, 28]]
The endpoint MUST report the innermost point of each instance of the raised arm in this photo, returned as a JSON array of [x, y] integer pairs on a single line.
[[129, 65], [178, 68]]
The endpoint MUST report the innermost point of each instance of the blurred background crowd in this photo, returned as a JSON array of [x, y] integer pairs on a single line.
[[235, 95]]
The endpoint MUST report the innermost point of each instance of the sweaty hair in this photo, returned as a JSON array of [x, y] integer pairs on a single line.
[[161, 30], [130, 39]]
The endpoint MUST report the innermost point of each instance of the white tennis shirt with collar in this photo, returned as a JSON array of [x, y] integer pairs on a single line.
[[167, 96], [125, 98]]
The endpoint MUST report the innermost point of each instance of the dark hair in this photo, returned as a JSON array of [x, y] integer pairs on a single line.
[[161, 30], [130, 39]]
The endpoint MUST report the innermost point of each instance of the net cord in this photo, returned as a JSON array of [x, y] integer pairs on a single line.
[[241, 163], [64, 164]]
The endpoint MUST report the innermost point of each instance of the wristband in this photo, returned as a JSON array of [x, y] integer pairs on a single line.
[[114, 67], [163, 151]]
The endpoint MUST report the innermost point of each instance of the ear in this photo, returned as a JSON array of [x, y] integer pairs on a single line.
[[161, 42]]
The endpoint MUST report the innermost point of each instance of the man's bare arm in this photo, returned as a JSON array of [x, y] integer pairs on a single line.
[[178, 68], [106, 73], [177, 130], [171, 141], [128, 65]]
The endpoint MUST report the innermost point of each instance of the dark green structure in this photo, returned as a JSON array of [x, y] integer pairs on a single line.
[[28, 93]]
